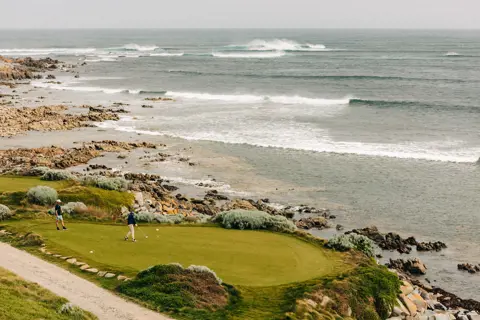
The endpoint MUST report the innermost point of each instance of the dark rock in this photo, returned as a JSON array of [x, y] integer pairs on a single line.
[[181, 197], [310, 223], [51, 76], [339, 227], [412, 266], [431, 246], [169, 187], [452, 301], [213, 194], [147, 106], [469, 267]]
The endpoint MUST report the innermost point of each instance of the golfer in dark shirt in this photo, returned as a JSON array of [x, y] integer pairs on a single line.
[[58, 214], [131, 224]]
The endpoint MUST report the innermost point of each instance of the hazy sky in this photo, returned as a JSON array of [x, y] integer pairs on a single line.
[[240, 14]]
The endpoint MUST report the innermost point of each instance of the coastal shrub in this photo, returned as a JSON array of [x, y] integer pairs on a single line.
[[352, 241], [57, 175], [72, 311], [156, 217], [71, 208], [42, 195], [173, 288], [254, 220], [38, 171], [115, 183], [195, 268], [5, 212]]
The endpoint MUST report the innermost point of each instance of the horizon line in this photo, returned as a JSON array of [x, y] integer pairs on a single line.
[[243, 28]]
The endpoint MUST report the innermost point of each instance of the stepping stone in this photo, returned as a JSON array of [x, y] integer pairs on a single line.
[[42, 250], [79, 263], [49, 253], [56, 255], [121, 278], [72, 261], [64, 258], [101, 273], [84, 267], [109, 275], [92, 270]]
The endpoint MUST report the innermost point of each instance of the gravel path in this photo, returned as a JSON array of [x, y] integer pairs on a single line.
[[80, 292]]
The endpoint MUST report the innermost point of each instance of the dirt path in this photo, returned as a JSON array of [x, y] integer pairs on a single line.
[[80, 292]]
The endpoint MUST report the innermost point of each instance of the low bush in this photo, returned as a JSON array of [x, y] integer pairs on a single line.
[[57, 175], [5, 212], [38, 171], [42, 195], [352, 241], [71, 208], [173, 288], [204, 269], [254, 220], [73, 311], [115, 183]]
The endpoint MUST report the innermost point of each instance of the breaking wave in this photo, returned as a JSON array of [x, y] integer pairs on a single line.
[[249, 55], [46, 51], [279, 45]]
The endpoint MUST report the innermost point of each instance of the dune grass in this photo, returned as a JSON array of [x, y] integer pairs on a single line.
[[22, 300], [18, 183], [250, 258]]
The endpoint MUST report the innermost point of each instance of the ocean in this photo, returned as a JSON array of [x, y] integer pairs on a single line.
[[382, 126]]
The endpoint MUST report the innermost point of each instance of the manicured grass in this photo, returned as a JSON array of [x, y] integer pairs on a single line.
[[249, 258], [22, 300], [18, 183]]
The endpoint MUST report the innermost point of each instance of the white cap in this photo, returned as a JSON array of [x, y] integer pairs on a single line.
[[59, 200]]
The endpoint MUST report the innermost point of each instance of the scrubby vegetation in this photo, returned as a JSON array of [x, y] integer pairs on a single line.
[[172, 288], [170, 218], [352, 241], [115, 183], [25, 300], [254, 220], [57, 175], [369, 292], [5, 212], [42, 195]]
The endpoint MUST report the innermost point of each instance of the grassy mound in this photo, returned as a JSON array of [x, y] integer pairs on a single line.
[[254, 258], [171, 287], [106, 199], [24, 300]]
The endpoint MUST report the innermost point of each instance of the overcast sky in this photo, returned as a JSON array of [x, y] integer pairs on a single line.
[[443, 14]]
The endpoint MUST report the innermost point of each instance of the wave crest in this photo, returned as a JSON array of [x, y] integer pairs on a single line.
[[249, 55], [279, 45]]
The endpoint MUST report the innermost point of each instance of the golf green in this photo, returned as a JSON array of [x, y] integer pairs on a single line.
[[252, 258]]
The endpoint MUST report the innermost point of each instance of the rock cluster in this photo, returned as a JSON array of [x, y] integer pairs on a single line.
[[411, 266], [392, 241], [23, 160], [14, 121], [159, 99], [312, 223], [469, 267], [19, 69]]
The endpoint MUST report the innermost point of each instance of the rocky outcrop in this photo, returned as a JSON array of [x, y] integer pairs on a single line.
[[14, 121], [411, 266], [392, 241], [22, 160], [312, 223], [24, 68], [470, 268]]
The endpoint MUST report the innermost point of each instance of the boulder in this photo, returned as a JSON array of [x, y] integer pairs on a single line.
[[121, 278], [80, 263], [412, 308], [72, 260], [101, 273], [92, 270], [311, 222], [84, 267], [412, 266]]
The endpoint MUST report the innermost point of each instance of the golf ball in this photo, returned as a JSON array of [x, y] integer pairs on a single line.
[[157, 229], [146, 236], [91, 251]]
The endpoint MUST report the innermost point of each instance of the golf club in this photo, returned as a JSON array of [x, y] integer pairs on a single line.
[[142, 232]]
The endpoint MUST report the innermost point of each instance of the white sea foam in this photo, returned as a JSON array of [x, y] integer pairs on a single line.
[[279, 45], [136, 47], [257, 99], [46, 51], [54, 86], [167, 54], [249, 55], [452, 54]]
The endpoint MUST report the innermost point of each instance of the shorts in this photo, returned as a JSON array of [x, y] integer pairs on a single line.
[[59, 218]]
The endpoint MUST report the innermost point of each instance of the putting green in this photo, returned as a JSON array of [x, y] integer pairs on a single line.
[[252, 258]]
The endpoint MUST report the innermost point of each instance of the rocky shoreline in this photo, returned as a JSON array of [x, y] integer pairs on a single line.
[[157, 196]]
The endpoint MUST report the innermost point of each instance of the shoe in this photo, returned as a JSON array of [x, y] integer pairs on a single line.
[[64, 228], [58, 228], [134, 240], [126, 238]]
